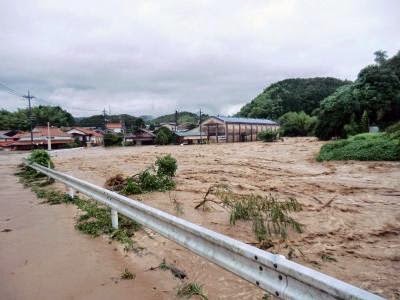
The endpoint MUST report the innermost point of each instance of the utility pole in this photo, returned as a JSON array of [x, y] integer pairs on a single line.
[[201, 135], [176, 120], [105, 120], [48, 137], [29, 97]]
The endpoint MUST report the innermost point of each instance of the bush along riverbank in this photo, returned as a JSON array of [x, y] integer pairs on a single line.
[[365, 146]]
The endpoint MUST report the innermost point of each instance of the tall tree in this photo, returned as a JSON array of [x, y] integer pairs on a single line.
[[375, 92], [380, 56]]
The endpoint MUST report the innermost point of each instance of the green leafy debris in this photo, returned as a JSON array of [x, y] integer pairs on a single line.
[[191, 289]]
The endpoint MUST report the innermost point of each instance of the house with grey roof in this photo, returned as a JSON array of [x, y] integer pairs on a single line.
[[193, 136], [234, 129]]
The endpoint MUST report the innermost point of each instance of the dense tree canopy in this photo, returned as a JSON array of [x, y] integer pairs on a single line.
[[164, 136], [297, 124], [131, 122], [40, 116], [375, 95], [298, 94]]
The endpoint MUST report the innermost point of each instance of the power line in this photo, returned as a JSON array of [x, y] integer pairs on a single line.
[[20, 95], [10, 90], [39, 99], [69, 106]]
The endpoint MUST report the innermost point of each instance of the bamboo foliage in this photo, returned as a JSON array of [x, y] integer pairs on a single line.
[[269, 215]]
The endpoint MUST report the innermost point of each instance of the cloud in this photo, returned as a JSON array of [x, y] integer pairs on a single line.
[[147, 57]]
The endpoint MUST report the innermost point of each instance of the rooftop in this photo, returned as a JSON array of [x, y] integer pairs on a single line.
[[113, 125], [246, 120], [86, 131], [192, 132], [41, 131]]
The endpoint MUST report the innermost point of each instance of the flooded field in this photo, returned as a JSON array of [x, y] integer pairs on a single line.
[[351, 210]]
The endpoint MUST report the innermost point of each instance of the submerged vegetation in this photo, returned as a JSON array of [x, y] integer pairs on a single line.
[[158, 177], [127, 275], [366, 146], [269, 216], [96, 219], [190, 289]]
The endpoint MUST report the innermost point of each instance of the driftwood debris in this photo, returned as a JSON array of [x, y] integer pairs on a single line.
[[174, 270], [210, 190], [327, 203]]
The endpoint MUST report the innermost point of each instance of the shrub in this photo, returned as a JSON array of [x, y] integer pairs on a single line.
[[166, 165], [154, 182], [164, 136], [394, 130], [148, 180], [40, 157], [112, 139], [131, 187], [268, 135], [366, 146], [297, 124]]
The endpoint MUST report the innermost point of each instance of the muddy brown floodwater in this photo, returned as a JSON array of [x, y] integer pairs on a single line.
[[351, 210]]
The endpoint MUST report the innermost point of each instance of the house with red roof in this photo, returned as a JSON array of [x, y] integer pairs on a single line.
[[59, 139], [115, 127]]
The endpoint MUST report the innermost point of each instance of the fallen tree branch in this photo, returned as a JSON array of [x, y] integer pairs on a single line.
[[327, 203]]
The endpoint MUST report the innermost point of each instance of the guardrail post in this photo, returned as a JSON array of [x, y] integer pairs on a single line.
[[114, 218], [71, 192]]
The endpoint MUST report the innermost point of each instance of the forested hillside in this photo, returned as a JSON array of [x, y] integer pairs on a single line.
[[296, 94], [373, 99], [40, 116]]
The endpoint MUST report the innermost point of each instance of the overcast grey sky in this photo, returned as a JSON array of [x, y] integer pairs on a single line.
[[152, 57]]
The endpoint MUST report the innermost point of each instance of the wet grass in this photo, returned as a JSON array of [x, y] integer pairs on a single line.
[[190, 289], [96, 218], [127, 275]]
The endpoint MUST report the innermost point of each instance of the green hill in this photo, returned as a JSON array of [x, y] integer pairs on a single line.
[[183, 117], [295, 94]]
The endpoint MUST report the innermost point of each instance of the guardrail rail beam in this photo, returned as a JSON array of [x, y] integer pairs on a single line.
[[270, 272]]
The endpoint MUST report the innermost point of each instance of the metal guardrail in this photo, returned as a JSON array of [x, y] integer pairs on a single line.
[[270, 272]]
